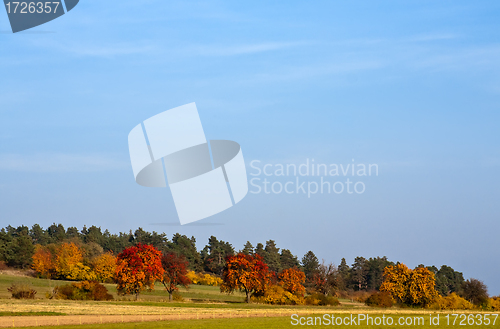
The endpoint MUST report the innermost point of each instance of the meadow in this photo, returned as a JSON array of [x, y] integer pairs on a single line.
[[203, 307]]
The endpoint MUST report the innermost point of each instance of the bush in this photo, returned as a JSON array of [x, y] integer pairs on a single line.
[[451, 302], [85, 290], [204, 279], [359, 296], [380, 299], [177, 296], [495, 303], [322, 300], [3, 266], [22, 291], [276, 295]]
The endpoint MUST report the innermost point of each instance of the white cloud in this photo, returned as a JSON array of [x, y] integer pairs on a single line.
[[59, 162]]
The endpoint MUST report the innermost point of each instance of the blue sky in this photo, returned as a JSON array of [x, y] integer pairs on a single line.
[[413, 87]]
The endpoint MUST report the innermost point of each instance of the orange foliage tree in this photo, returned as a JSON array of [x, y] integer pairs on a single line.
[[138, 268], [175, 274], [292, 280], [247, 273], [43, 262], [411, 287], [104, 267]]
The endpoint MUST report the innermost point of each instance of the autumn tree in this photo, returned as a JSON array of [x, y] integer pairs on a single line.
[[475, 291], [246, 273], [138, 268], [68, 262], [325, 279], [175, 267], [43, 262], [104, 267], [410, 287], [292, 280]]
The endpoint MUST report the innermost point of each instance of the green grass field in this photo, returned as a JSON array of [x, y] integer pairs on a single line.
[[195, 293]]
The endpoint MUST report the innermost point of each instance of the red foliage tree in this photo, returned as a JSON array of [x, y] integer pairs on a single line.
[[175, 267], [292, 280], [247, 273], [138, 268]]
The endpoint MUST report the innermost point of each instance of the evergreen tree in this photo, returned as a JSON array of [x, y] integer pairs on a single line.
[[272, 256], [182, 245], [310, 264], [259, 250], [358, 273], [288, 260], [248, 249], [344, 275], [374, 272]]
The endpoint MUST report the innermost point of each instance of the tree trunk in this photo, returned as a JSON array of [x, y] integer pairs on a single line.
[[137, 296], [248, 297], [169, 296]]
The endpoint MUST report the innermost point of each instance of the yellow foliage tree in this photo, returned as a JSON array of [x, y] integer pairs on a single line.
[[68, 263], [411, 287], [104, 267]]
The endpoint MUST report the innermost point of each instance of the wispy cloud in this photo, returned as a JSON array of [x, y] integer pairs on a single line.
[[59, 162]]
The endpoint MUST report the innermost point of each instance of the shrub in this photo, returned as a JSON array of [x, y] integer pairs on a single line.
[[359, 296], [22, 291], [380, 299], [451, 302], [495, 303], [177, 296], [204, 279], [320, 299], [3, 266], [277, 295], [85, 290]]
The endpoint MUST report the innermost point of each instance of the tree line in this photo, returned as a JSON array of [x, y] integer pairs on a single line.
[[17, 247]]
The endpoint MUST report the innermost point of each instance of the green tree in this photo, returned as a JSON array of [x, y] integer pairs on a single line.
[[57, 233], [288, 260], [39, 235], [359, 271], [22, 251], [344, 275], [272, 256], [182, 245], [447, 280], [259, 250], [310, 264], [375, 272], [248, 249], [215, 253]]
